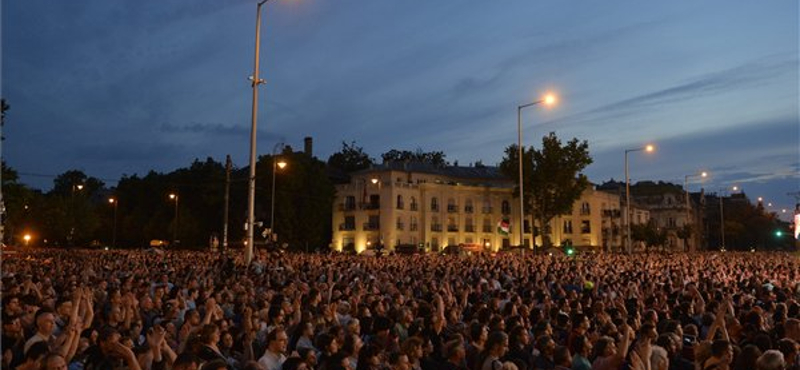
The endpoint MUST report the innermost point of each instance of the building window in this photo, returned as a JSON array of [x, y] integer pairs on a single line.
[[506, 208], [452, 225], [400, 224], [468, 206], [586, 227], [413, 204], [671, 222], [435, 225], [487, 225], [374, 201], [487, 205], [374, 223], [349, 203], [400, 204], [349, 224], [434, 204], [469, 227], [568, 227], [585, 209], [412, 225], [451, 206]]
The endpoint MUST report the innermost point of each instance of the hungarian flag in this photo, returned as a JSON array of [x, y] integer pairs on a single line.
[[503, 227]]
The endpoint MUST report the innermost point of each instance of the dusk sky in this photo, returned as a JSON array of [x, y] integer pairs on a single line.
[[116, 87]]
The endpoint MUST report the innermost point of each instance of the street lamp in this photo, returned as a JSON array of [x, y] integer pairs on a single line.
[[722, 192], [376, 181], [548, 99], [251, 195], [686, 178], [27, 239], [174, 196], [113, 203], [275, 165], [648, 148]]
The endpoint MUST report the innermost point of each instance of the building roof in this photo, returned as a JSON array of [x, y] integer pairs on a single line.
[[472, 174]]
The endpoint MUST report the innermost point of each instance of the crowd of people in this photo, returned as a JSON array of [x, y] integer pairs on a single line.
[[81, 309]]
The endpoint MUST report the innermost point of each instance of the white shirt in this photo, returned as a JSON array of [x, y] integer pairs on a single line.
[[272, 361]]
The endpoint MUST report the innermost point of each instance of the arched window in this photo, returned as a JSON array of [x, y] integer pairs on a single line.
[[506, 208], [400, 201]]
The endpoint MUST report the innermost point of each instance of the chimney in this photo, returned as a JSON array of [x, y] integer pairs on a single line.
[[308, 145]]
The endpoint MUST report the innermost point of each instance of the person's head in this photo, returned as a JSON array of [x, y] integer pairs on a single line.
[[327, 343], [605, 346], [454, 351], [790, 349], [412, 347], [519, 337], [771, 360], [294, 363], [35, 354], [582, 345], [54, 361], [497, 344], [108, 338], [193, 317], [546, 345], [722, 350], [478, 333], [209, 334], [218, 364], [308, 355], [399, 361], [562, 357], [45, 322], [11, 324], [647, 333], [277, 341], [186, 361], [792, 329], [352, 345]]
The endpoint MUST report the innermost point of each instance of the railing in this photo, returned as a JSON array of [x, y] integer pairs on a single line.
[[436, 227], [370, 205], [486, 210], [347, 207], [487, 228], [469, 209], [469, 228], [347, 227], [585, 212], [372, 226], [413, 227], [507, 211], [413, 207], [400, 226], [452, 208], [452, 228]]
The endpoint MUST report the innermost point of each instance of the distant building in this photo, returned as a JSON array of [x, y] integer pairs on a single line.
[[431, 207]]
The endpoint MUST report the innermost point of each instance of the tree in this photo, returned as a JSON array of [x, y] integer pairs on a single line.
[[553, 179], [350, 159], [436, 158]]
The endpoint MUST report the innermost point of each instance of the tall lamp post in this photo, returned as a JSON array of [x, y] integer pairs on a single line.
[[686, 192], [174, 196], [722, 194], [113, 202], [629, 245], [549, 99], [251, 195], [376, 181], [275, 165]]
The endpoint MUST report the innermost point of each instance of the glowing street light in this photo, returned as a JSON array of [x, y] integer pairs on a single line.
[[647, 148], [174, 196], [686, 178], [276, 163], [27, 239], [113, 203], [549, 100]]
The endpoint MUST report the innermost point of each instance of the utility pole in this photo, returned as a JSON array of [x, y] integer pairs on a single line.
[[228, 166]]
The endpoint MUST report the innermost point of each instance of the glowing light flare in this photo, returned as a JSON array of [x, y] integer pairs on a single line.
[[282, 164], [549, 99]]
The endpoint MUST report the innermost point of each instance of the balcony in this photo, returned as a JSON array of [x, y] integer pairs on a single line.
[[347, 207], [371, 226], [436, 227], [370, 206], [469, 228], [486, 210], [487, 228], [507, 211], [452, 208], [413, 207], [469, 209], [347, 227], [413, 227], [452, 228], [401, 226], [611, 213], [585, 212]]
